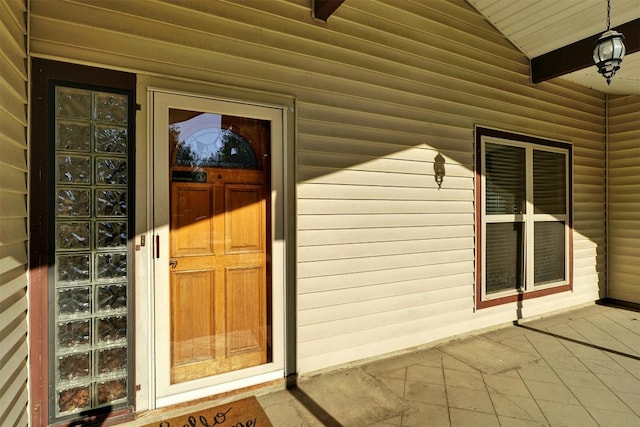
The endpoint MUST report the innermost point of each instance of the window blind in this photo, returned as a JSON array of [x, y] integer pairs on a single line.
[[505, 256], [549, 257], [505, 179], [549, 182]]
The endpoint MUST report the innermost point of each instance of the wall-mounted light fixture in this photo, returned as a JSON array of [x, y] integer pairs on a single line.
[[438, 169], [609, 50]]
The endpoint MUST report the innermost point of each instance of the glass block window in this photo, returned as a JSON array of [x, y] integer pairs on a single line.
[[525, 216], [90, 326]]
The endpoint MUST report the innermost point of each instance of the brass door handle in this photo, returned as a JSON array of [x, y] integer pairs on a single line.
[[173, 263]]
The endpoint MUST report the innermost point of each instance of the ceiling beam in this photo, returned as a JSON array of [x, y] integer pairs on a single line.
[[578, 55], [323, 9]]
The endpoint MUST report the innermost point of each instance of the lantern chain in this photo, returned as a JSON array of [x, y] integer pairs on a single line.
[[608, 15]]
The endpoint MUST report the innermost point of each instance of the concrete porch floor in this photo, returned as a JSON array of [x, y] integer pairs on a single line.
[[578, 368]]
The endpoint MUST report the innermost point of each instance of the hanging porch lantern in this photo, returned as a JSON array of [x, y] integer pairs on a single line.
[[609, 50]]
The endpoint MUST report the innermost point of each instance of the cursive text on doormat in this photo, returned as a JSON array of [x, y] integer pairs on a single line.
[[242, 413]]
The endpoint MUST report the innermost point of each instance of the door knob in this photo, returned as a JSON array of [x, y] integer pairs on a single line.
[[173, 263]]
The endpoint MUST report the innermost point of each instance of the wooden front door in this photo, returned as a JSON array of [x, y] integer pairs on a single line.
[[218, 295], [218, 246]]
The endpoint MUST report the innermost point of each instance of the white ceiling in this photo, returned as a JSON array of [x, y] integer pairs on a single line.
[[540, 26]]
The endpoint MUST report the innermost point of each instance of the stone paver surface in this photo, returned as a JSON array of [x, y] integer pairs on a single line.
[[579, 368]]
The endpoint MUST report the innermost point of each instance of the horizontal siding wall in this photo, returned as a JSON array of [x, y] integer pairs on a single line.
[[13, 213], [385, 258], [624, 199]]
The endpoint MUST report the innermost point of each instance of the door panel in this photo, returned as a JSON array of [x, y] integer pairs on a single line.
[[217, 275], [244, 218], [193, 329], [191, 230], [245, 332]]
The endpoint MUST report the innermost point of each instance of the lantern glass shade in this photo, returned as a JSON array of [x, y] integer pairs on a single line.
[[608, 53]]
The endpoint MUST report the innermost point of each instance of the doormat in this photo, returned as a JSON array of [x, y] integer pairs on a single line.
[[241, 413]]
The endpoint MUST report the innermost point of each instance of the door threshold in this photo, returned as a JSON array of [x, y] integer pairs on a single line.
[[209, 401]]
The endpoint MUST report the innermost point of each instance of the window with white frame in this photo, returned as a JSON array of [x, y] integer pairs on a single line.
[[524, 217]]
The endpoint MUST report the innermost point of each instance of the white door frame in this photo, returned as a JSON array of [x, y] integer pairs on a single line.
[[165, 393]]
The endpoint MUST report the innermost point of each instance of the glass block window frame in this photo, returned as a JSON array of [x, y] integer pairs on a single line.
[[523, 216], [90, 328]]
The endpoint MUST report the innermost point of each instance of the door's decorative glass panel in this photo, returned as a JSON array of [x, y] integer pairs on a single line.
[[72, 102], [90, 348], [74, 202], [74, 170], [111, 203], [112, 297], [111, 139], [111, 234], [202, 140], [74, 300], [111, 171], [74, 366], [73, 268], [73, 235], [73, 136]]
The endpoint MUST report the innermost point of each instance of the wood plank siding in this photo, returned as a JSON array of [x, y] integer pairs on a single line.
[[13, 212], [624, 204], [385, 259]]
